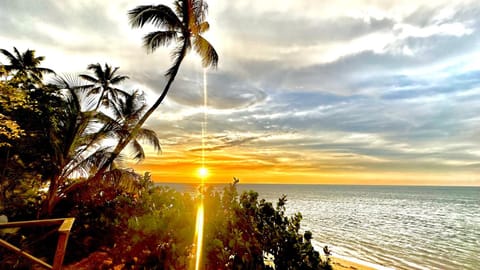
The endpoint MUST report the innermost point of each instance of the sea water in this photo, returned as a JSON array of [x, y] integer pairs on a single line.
[[400, 227]]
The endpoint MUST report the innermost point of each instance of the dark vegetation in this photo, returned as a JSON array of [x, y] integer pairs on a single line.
[[61, 149]]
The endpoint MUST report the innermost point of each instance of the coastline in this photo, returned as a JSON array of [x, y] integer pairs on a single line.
[[345, 263]]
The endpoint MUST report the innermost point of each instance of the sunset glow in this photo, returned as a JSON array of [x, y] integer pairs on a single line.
[[364, 93], [202, 172]]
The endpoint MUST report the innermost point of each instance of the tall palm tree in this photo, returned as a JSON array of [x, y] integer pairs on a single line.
[[102, 83], [184, 27], [25, 64]]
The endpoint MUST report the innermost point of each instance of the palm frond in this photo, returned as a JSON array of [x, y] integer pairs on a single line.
[[89, 102], [89, 164], [118, 79], [93, 90], [11, 58], [199, 10], [46, 70], [121, 179], [156, 39], [88, 78], [94, 67], [19, 55], [138, 152], [159, 16], [65, 81], [150, 137], [108, 73], [178, 54], [206, 51], [203, 27]]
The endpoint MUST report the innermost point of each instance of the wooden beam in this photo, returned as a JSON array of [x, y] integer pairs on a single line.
[[24, 254], [63, 233], [32, 223], [66, 225]]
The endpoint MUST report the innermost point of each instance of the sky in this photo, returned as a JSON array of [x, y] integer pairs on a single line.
[[306, 91]]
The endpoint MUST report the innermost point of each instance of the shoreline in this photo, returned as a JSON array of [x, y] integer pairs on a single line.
[[339, 262]]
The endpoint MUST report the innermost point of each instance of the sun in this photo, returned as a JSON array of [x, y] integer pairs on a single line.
[[202, 172]]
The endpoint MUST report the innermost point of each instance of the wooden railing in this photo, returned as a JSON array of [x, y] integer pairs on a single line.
[[65, 225]]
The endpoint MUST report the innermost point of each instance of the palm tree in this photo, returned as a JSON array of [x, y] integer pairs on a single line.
[[128, 114], [78, 146], [102, 84], [185, 27], [75, 146], [25, 64]]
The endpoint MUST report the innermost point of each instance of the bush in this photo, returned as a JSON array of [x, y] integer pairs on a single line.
[[239, 231]]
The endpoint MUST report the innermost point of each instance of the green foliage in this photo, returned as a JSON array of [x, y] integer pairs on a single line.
[[11, 99], [239, 230], [50, 136], [242, 228], [52, 162], [24, 148]]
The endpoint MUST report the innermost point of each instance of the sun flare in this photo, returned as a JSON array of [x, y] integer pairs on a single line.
[[199, 235], [202, 172]]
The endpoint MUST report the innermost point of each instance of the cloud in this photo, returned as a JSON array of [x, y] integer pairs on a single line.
[[225, 142], [356, 86]]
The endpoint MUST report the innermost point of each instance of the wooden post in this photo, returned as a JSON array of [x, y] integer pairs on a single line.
[[63, 233]]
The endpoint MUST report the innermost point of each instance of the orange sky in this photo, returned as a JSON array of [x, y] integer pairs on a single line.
[[180, 164], [373, 92]]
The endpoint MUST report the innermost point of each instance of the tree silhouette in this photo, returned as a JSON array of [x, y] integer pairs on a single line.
[[25, 64], [183, 27], [102, 83]]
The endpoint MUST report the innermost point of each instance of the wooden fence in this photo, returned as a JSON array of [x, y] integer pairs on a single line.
[[65, 225]]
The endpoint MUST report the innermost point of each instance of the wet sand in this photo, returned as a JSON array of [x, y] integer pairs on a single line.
[[341, 264]]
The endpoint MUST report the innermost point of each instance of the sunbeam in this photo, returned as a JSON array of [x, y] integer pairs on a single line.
[[202, 173]]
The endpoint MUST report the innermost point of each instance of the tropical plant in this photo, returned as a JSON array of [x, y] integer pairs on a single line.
[[126, 116], [81, 150], [102, 84], [239, 229], [185, 27], [48, 139], [25, 159], [25, 64]]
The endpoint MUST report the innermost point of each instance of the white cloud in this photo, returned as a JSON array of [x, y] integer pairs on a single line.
[[359, 82]]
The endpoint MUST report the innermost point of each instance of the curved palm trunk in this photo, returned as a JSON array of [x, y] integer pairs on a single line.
[[123, 143]]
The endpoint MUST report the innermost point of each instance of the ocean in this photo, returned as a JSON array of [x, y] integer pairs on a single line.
[[391, 227]]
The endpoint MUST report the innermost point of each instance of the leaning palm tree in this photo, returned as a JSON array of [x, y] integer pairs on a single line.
[[184, 27], [102, 83], [25, 64]]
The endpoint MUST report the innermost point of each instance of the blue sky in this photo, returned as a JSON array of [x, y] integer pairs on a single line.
[[377, 92]]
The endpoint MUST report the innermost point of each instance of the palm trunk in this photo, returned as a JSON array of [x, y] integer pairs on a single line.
[[51, 200], [100, 99], [124, 142]]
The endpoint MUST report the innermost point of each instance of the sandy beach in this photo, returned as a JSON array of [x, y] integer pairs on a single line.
[[341, 264]]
